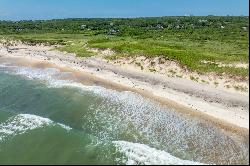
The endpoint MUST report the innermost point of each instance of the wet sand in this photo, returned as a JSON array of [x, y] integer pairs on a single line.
[[225, 109]]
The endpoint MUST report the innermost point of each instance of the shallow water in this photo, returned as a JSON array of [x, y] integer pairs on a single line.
[[47, 119]]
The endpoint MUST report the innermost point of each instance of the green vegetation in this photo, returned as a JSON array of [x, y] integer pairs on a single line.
[[240, 88], [152, 70], [216, 83], [78, 48], [46, 38], [194, 78], [190, 41]]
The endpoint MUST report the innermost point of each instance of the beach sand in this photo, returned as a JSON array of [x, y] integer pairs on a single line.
[[228, 109]]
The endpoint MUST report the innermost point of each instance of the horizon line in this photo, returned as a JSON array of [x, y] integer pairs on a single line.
[[118, 17]]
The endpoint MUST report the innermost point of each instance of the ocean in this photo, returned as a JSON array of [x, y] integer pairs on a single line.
[[46, 118]]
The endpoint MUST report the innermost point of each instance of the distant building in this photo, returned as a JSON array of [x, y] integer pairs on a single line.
[[202, 21], [83, 26], [112, 31], [244, 28], [159, 26]]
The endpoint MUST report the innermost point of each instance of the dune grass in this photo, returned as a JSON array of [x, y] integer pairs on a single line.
[[77, 48], [71, 43], [187, 53], [49, 38], [189, 41]]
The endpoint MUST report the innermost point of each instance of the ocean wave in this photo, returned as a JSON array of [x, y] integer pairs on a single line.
[[49, 75], [52, 77], [23, 123], [136, 153], [148, 121], [140, 154]]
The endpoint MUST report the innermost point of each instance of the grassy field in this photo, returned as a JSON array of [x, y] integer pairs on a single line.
[[227, 44], [188, 53]]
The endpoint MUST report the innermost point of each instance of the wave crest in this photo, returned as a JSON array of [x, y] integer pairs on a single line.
[[143, 154], [22, 123]]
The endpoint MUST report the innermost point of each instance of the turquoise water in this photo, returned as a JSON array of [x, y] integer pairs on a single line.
[[46, 119]]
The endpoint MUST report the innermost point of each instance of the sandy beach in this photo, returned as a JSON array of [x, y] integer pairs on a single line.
[[226, 108]]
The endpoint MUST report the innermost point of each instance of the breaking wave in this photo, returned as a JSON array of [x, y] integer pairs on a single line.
[[23, 123], [140, 154], [146, 122]]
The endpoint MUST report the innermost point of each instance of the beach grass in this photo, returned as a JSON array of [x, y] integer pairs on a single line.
[[196, 43], [76, 47], [187, 53]]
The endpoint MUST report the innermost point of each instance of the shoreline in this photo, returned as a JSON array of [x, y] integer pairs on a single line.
[[226, 109]]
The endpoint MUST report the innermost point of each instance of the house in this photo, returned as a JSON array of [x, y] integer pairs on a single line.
[[112, 31], [202, 21], [159, 26], [83, 26], [244, 28]]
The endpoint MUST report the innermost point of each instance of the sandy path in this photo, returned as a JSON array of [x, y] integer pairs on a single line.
[[223, 107]]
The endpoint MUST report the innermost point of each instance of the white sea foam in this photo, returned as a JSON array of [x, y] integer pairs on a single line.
[[41, 74], [64, 126], [22, 123], [51, 76], [158, 125], [140, 154], [136, 153]]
